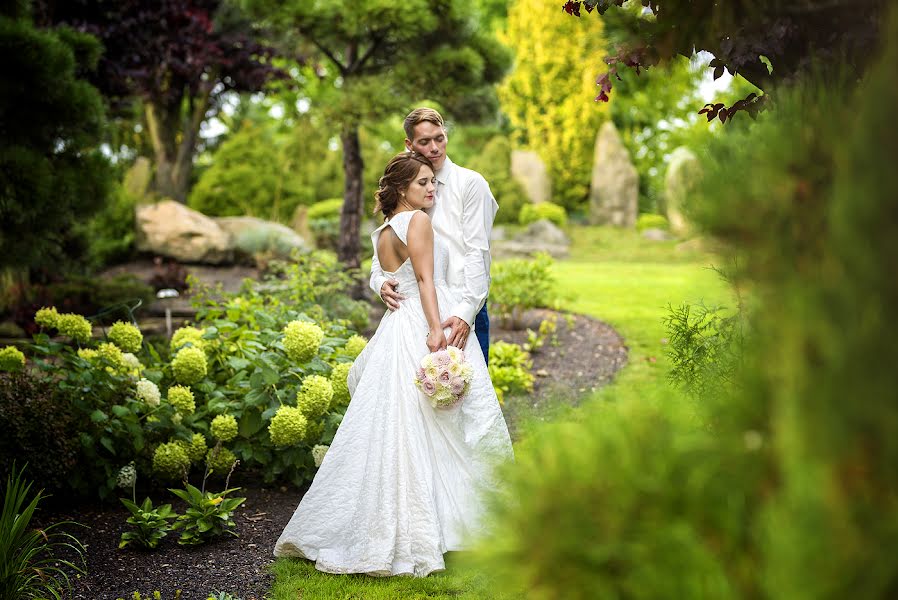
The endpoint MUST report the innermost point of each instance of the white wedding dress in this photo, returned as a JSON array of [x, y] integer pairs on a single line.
[[399, 485]]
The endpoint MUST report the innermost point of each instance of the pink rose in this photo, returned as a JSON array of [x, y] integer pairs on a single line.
[[457, 385], [420, 374], [442, 358], [444, 376], [428, 386]]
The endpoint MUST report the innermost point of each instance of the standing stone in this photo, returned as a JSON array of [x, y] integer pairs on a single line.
[[614, 192], [680, 182], [528, 169]]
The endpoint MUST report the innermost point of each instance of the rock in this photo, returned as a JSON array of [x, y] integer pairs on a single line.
[[528, 169], [251, 236], [656, 235], [680, 182], [614, 191], [169, 228], [540, 236]]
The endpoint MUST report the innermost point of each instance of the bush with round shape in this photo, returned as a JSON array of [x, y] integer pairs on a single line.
[[651, 221], [189, 365], [224, 428], [339, 383], [301, 340], [170, 461], [314, 397], [11, 359], [354, 346], [126, 336], [530, 213], [288, 426], [74, 326]]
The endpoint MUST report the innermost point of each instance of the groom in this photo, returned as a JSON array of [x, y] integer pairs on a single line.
[[463, 215]]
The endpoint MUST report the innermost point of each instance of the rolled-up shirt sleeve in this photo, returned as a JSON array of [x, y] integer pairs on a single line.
[[377, 276], [478, 212]]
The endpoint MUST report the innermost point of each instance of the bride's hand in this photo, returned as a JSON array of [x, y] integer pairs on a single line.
[[436, 340]]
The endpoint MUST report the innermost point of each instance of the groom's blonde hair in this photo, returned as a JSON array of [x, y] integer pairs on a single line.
[[421, 115]]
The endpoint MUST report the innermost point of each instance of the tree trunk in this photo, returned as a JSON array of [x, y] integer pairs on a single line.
[[174, 160], [349, 247]]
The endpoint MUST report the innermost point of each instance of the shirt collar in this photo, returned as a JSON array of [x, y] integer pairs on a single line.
[[443, 174]]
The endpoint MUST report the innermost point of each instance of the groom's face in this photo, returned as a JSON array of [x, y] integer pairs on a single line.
[[430, 140]]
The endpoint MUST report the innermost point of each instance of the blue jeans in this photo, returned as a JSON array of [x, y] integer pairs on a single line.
[[482, 330]]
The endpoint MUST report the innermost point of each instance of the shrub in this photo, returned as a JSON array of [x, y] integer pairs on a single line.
[[651, 221], [509, 369], [208, 515], [150, 524], [324, 222], [126, 336], [530, 213], [519, 285], [37, 430]]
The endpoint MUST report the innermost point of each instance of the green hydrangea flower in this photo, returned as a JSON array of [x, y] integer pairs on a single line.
[[47, 317], [220, 460], [339, 377], [74, 326], [354, 346], [182, 399], [287, 427], [318, 453], [196, 448], [170, 461], [224, 428], [11, 359], [126, 336], [189, 365], [112, 354], [314, 398], [87, 353], [148, 392], [301, 340], [187, 335]]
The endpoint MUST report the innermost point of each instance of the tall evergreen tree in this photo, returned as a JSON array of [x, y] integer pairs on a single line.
[[52, 173]]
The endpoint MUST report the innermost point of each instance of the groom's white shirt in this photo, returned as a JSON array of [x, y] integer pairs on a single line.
[[462, 215]]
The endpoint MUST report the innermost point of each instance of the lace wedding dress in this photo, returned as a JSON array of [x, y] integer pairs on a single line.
[[399, 485]]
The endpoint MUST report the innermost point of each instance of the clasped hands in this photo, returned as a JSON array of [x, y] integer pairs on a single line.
[[458, 329]]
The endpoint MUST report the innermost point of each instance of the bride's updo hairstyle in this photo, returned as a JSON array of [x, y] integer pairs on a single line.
[[400, 172]]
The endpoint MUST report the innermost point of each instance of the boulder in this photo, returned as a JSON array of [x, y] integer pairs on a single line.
[[680, 182], [540, 236], [614, 191], [251, 236], [528, 169], [169, 228], [656, 235]]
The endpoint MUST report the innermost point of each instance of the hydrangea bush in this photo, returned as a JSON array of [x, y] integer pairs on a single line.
[[260, 378]]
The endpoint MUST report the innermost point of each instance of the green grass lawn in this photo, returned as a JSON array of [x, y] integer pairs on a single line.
[[614, 276]]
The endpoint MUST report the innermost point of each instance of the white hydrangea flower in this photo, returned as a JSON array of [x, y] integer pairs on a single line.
[[127, 476], [148, 392]]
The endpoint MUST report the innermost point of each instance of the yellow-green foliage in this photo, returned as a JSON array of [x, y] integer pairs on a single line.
[[550, 211], [126, 336], [549, 96], [651, 221], [11, 359]]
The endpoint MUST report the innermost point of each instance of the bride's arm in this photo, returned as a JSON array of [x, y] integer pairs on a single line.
[[420, 250]]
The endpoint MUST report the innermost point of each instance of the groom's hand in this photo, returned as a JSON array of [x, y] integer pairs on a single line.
[[458, 336], [389, 293]]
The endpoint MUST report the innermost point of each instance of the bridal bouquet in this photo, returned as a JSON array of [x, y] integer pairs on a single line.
[[444, 377]]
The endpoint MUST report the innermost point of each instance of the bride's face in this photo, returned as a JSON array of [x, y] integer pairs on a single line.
[[421, 190]]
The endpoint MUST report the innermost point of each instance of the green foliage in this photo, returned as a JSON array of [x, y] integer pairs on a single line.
[[783, 485], [324, 222], [109, 233], [519, 285], [706, 346], [651, 221], [494, 163], [38, 430], [150, 524], [548, 97], [156, 595], [52, 173], [530, 213], [546, 332], [31, 565], [208, 515], [509, 368]]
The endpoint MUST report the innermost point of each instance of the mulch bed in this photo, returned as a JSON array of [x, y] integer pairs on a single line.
[[587, 355]]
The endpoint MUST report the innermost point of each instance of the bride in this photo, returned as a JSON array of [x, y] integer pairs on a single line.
[[399, 485]]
